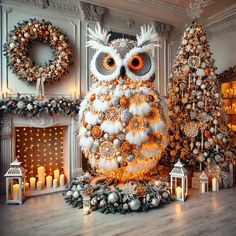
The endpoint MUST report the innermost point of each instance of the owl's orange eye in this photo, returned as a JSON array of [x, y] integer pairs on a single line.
[[108, 62], [136, 63]]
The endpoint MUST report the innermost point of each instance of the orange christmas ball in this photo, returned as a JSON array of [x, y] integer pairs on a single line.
[[96, 132], [92, 97], [124, 102]]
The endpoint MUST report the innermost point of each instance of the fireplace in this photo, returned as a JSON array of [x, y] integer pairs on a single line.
[[43, 141]]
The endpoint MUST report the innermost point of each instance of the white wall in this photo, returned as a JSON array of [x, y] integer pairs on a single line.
[[224, 51]]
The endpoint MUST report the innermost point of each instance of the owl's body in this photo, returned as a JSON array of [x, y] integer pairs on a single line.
[[122, 123]]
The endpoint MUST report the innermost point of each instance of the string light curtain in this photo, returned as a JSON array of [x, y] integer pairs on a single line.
[[40, 147]]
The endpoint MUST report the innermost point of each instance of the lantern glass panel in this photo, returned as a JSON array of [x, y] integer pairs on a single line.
[[13, 189]]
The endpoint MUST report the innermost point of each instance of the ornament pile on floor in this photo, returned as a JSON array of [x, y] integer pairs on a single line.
[[108, 197]]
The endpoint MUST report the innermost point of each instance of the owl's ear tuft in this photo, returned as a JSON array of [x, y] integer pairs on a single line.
[[148, 38], [98, 37]]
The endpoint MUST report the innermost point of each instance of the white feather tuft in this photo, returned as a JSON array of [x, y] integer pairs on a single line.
[[148, 37], [83, 106], [107, 164], [136, 138], [100, 105], [91, 118], [158, 127], [140, 110], [98, 37], [82, 131], [86, 143], [93, 162], [111, 127], [139, 166]]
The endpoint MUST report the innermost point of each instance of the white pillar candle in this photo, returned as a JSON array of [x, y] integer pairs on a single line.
[[178, 192], [215, 185], [203, 188], [49, 181], [55, 183], [15, 193], [26, 186], [32, 183], [57, 174], [62, 180], [41, 175], [86, 210], [39, 185]]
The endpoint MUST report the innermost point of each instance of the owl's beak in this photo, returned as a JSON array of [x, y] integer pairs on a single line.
[[122, 72]]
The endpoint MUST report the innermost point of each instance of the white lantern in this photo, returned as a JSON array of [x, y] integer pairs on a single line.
[[15, 183], [179, 181], [86, 205], [203, 183]]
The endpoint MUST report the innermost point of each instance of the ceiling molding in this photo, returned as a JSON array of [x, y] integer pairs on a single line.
[[222, 16]]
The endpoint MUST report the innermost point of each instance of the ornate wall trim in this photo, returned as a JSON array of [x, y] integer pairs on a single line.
[[91, 12]]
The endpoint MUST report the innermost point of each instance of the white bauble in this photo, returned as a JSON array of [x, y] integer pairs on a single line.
[[69, 193], [158, 182], [125, 206], [155, 202], [79, 187], [165, 195], [113, 197], [75, 194], [134, 204]]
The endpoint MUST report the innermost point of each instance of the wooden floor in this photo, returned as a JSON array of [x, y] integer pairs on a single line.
[[202, 214]]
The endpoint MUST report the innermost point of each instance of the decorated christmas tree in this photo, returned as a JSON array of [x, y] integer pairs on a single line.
[[199, 131]]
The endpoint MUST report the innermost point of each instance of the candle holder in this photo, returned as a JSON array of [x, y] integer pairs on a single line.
[[179, 181], [15, 183], [86, 205], [203, 183]]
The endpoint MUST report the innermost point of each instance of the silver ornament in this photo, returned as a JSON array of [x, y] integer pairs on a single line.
[[119, 159], [134, 204], [130, 157], [94, 201], [165, 195], [69, 193], [79, 187], [75, 194], [205, 154], [125, 206], [155, 202], [125, 115], [113, 197], [102, 203], [116, 143]]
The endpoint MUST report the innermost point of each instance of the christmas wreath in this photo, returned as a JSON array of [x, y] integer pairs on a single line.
[[21, 38]]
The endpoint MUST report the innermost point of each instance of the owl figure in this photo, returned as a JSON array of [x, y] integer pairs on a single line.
[[123, 126]]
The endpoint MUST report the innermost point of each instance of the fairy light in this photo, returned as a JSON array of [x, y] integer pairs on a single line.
[[40, 147]]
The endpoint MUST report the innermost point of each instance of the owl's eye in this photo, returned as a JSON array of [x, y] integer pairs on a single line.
[[139, 64], [108, 62], [136, 63]]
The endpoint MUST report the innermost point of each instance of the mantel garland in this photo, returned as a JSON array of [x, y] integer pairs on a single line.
[[21, 38], [31, 106], [227, 74]]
